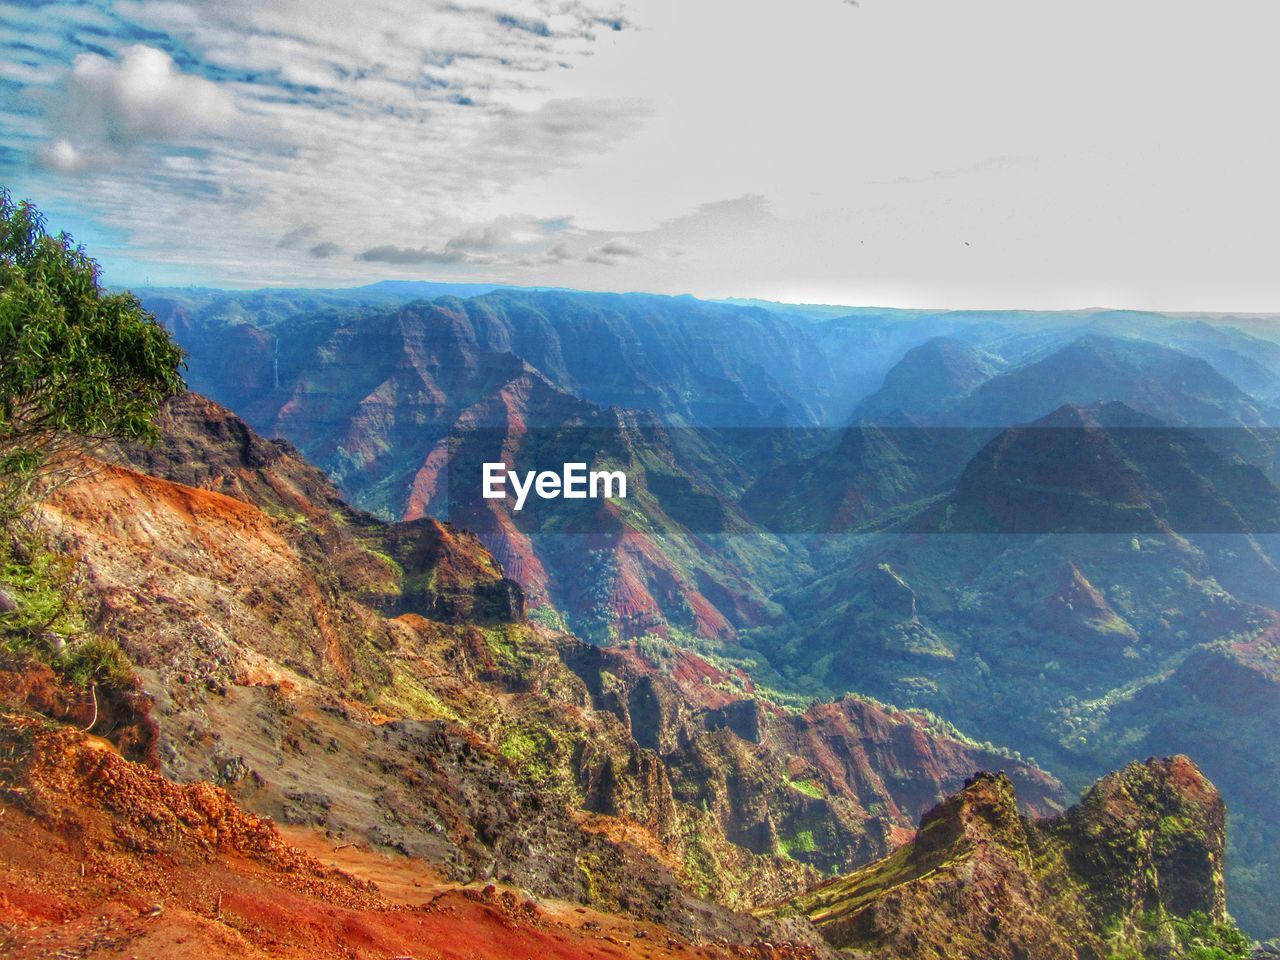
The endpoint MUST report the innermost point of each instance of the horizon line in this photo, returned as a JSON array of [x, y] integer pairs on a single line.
[[739, 299]]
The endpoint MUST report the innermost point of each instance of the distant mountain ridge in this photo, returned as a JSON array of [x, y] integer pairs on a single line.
[[928, 376], [1157, 380]]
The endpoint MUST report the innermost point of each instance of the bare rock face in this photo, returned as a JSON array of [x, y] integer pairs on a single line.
[[981, 881]]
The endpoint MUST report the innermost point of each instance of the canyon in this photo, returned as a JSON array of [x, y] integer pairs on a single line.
[[357, 719]]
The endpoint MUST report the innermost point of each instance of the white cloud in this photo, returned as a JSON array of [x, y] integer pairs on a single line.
[[998, 155], [141, 96], [282, 128], [62, 156]]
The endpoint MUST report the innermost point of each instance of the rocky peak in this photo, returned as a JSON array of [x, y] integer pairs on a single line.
[[985, 810], [1149, 837], [981, 881]]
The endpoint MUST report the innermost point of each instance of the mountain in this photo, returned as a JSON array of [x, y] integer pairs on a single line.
[[380, 683], [377, 395], [1159, 381], [1249, 361], [647, 573], [1108, 469], [929, 376], [101, 854], [1031, 582], [1059, 599], [725, 399], [436, 769], [1221, 702], [710, 364], [829, 786], [320, 664], [942, 401], [867, 475], [1135, 866]]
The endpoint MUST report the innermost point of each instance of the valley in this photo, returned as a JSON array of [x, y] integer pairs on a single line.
[[870, 504], [634, 480]]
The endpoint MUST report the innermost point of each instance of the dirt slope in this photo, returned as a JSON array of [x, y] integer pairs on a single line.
[[101, 857]]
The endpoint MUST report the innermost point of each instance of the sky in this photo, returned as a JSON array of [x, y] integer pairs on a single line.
[[922, 153]]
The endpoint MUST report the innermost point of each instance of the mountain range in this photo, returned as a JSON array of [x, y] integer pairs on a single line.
[[1038, 528], [355, 719]]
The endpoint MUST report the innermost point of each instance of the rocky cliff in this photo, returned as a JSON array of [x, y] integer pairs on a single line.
[[1136, 866]]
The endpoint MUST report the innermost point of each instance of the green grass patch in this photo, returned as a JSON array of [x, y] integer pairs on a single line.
[[409, 697], [809, 786], [800, 842], [47, 619]]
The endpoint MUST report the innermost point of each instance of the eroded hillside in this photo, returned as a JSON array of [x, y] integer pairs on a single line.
[[376, 690]]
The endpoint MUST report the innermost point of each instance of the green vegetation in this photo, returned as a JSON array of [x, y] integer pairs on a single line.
[[853, 892], [808, 786], [78, 366], [508, 653], [802, 842], [1195, 937], [409, 696], [541, 753], [521, 746], [545, 615], [42, 615]]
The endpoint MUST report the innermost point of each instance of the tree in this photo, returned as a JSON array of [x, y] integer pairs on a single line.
[[79, 366]]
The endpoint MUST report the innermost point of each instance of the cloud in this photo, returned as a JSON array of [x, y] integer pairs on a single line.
[[537, 27], [511, 239], [556, 255], [416, 123], [297, 236], [561, 129], [195, 130], [504, 233], [322, 251], [63, 157], [413, 256], [615, 251], [141, 96]]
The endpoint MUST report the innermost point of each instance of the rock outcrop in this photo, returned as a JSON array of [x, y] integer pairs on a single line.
[[1139, 857]]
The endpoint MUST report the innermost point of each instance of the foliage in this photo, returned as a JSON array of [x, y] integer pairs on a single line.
[[95, 659], [802, 842], [545, 615], [78, 365], [809, 787], [39, 587], [1194, 937], [45, 616]]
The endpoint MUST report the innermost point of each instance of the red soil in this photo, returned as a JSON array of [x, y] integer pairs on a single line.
[[101, 857]]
